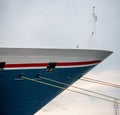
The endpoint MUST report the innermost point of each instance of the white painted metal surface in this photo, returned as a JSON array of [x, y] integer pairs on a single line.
[[31, 55]]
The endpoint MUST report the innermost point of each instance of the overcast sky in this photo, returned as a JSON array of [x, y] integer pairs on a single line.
[[63, 24]]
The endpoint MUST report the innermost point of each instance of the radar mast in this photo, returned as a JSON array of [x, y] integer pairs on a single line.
[[93, 32]]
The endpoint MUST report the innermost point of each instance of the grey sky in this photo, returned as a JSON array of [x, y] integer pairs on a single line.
[[63, 24]]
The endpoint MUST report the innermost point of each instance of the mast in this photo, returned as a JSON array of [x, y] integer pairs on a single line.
[[93, 33]]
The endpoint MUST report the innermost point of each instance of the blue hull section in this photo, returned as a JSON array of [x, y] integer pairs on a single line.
[[24, 97]]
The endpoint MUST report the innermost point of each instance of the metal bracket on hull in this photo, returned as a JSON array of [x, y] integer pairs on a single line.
[[51, 66], [2, 65]]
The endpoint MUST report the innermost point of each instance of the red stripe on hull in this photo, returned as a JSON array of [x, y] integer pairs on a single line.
[[77, 63], [26, 65], [46, 64]]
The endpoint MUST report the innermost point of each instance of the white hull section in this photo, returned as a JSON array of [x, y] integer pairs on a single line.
[[28, 55]]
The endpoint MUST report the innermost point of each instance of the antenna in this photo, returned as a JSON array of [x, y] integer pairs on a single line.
[[93, 33]]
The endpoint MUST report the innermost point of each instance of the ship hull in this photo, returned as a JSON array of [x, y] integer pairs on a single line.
[[19, 96]]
